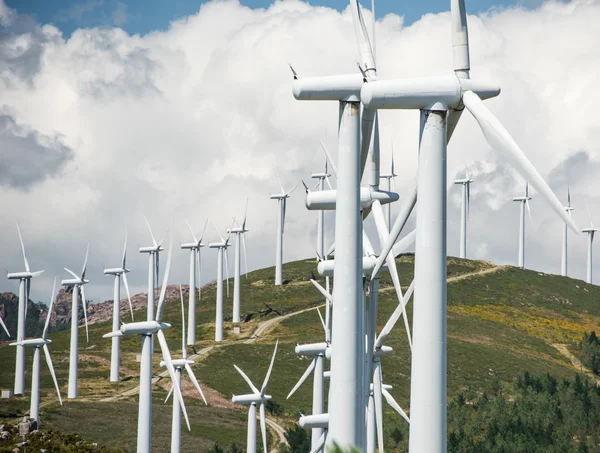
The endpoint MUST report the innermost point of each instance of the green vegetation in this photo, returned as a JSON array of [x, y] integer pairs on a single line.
[[589, 352]]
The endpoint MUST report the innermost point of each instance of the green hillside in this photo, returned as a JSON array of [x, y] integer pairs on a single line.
[[502, 321]]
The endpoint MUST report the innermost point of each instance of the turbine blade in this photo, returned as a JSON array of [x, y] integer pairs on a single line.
[[247, 379], [460, 36], [124, 261], [328, 182], [36, 273], [293, 188], [183, 348], [192, 231], [268, 375], [198, 274], [320, 444], [51, 368], [322, 290], [303, 378], [404, 243], [500, 140], [163, 291], [589, 213], [227, 269], [322, 321], [279, 180], [151, 235], [245, 255], [377, 390], [389, 325], [367, 246], [84, 303], [263, 427], [169, 394], [87, 251], [192, 376], [23, 249], [392, 402], [52, 297], [128, 295], [203, 231], [4, 327], [529, 211], [329, 159], [245, 215], [72, 273], [367, 60], [169, 363], [222, 238]]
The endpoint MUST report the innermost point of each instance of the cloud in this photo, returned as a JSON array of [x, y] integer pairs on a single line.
[[187, 123]]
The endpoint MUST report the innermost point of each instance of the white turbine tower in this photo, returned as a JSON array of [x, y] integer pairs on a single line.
[[24, 286], [40, 343], [282, 202], [464, 211], [564, 260], [179, 365], [195, 282], [440, 100], [76, 284], [115, 354], [147, 329], [240, 242], [524, 200], [390, 188], [221, 249], [590, 231], [251, 400], [153, 252]]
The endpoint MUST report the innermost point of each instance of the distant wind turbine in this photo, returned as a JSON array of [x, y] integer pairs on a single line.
[[77, 284], [322, 179], [153, 252], [524, 200], [563, 262], [195, 269], [240, 242], [282, 201], [591, 230], [390, 187], [464, 211], [221, 249]]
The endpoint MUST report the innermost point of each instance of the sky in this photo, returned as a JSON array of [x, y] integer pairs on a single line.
[[110, 113]]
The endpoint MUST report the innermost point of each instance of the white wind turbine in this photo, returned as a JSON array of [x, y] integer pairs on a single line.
[[24, 286], [251, 400], [240, 242], [147, 329], [563, 261], [115, 354], [221, 248], [282, 202], [390, 187], [321, 178], [590, 231], [524, 200], [76, 284], [441, 101], [464, 211], [179, 365], [153, 252], [40, 343], [195, 281]]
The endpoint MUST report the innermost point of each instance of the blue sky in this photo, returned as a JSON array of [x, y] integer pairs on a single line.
[[142, 16]]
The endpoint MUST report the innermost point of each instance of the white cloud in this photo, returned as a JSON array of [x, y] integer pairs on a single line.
[[188, 122]]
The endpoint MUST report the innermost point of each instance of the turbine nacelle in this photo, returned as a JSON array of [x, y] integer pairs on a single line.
[[151, 249], [177, 363], [240, 230], [589, 230], [326, 199], [74, 282], [37, 342], [22, 275], [219, 245], [251, 398], [521, 198], [192, 245], [325, 268], [279, 196], [139, 328], [320, 175], [463, 181], [116, 271], [384, 351], [312, 349], [344, 87], [314, 421]]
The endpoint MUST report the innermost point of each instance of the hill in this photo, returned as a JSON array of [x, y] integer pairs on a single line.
[[502, 321]]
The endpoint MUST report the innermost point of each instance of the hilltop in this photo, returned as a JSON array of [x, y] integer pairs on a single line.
[[502, 321]]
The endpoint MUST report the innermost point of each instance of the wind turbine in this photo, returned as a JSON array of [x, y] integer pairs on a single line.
[[24, 278], [441, 101], [464, 211], [251, 400], [76, 284], [221, 247], [179, 365], [591, 230], [115, 353], [4, 327], [153, 252], [524, 202], [563, 261], [195, 268], [390, 186], [147, 329], [40, 343], [282, 202], [321, 178], [240, 242]]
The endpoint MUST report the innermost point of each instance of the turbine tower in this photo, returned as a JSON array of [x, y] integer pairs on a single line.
[[240, 242], [563, 261], [195, 282], [590, 231], [153, 252], [147, 329], [221, 248], [76, 284], [441, 101], [251, 400], [524, 203], [115, 353], [282, 202], [464, 211], [40, 343], [24, 278]]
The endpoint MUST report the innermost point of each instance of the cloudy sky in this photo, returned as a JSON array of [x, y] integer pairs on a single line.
[[111, 111]]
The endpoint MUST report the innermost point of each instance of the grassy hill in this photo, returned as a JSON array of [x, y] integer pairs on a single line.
[[501, 322]]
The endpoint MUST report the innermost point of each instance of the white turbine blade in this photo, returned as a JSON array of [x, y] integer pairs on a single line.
[[529, 211], [377, 390], [293, 188], [169, 364], [367, 246], [124, 261], [279, 181], [72, 273], [468, 198], [163, 291], [27, 289], [245, 255], [404, 243], [309, 370], [169, 394], [373, 30], [331, 249], [569, 196], [247, 379], [322, 321], [84, 303], [203, 231], [331, 162], [87, 251], [192, 376], [389, 325], [52, 297], [320, 444], [183, 348], [245, 215], [192, 231], [222, 238], [23, 249], [151, 235], [500, 140], [263, 427], [589, 213], [4, 327], [128, 295], [367, 60], [51, 368], [268, 375], [283, 209], [392, 402], [322, 290], [36, 273], [198, 273], [328, 182]]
